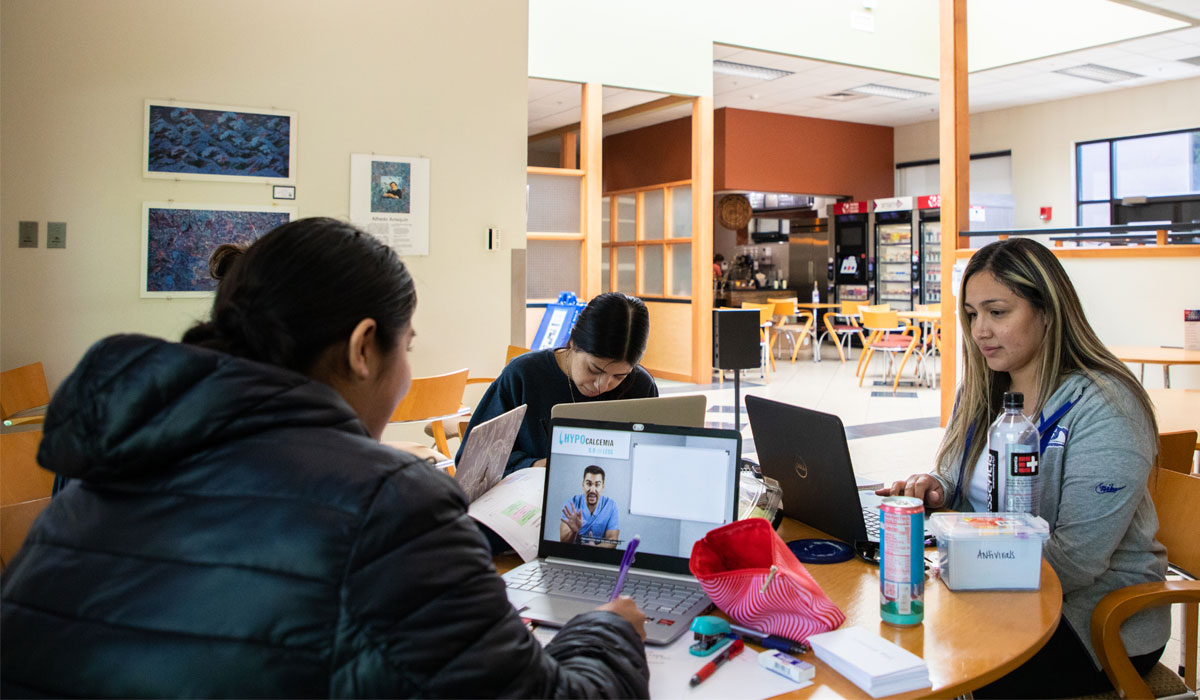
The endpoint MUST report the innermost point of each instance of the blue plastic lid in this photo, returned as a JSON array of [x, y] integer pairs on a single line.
[[821, 551]]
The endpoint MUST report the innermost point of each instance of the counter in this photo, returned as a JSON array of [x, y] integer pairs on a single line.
[[735, 297]]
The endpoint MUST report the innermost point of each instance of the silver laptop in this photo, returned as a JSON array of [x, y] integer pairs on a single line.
[[660, 410], [605, 483], [486, 453]]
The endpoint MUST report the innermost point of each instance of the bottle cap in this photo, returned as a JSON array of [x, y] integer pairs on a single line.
[[1014, 399]]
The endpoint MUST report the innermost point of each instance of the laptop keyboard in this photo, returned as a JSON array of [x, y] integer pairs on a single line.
[[871, 520], [654, 596]]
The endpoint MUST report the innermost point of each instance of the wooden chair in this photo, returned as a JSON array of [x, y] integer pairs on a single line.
[[1175, 499], [434, 398], [796, 332], [766, 314], [888, 336], [841, 325], [24, 488], [454, 426], [23, 395], [1177, 450]]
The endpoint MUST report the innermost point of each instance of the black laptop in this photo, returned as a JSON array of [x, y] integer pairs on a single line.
[[806, 452]]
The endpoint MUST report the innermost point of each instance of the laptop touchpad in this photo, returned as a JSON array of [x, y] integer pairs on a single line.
[[555, 611]]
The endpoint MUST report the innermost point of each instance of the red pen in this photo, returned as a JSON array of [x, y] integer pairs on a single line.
[[724, 655]]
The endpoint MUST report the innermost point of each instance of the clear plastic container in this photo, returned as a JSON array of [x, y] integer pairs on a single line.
[[758, 496], [989, 551]]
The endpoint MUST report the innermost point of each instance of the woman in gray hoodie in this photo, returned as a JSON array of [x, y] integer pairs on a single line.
[[1026, 332]]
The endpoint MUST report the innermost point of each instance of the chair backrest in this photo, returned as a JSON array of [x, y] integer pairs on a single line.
[[849, 308], [765, 311], [514, 351], [21, 479], [1175, 499], [879, 320], [22, 388], [784, 307], [432, 397], [1177, 450]]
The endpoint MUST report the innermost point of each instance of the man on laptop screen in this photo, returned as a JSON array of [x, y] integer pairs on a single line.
[[590, 517]]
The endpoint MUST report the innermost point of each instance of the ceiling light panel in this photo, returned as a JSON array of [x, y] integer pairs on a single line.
[[745, 70], [894, 93], [1103, 74]]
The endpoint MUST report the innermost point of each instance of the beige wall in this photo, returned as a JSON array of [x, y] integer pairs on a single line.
[[444, 80], [1042, 139]]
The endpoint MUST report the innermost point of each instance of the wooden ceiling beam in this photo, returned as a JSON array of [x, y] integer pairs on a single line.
[[651, 106]]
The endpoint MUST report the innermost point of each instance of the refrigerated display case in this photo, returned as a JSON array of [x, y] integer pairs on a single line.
[[895, 261], [929, 217], [851, 269]]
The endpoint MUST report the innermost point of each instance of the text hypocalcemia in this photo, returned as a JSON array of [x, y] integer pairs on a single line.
[[575, 438]]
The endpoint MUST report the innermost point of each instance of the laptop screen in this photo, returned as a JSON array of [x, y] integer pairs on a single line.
[[606, 482]]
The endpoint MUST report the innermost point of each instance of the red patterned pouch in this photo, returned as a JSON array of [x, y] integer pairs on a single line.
[[751, 575]]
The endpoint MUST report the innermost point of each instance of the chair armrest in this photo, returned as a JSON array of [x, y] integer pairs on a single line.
[[480, 380], [1113, 609], [24, 420]]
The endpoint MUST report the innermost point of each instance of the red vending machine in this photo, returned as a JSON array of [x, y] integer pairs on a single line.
[[929, 218], [852, 271], [896, 253]]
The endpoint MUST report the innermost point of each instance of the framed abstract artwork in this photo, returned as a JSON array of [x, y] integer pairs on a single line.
[[193, 141], [177, 240]]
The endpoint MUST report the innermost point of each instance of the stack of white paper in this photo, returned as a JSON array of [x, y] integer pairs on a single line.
[[872, 663]]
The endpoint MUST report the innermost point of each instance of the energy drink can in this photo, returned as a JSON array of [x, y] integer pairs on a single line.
[[902, 561]]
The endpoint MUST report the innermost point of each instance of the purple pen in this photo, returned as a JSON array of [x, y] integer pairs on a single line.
[[626, 562]]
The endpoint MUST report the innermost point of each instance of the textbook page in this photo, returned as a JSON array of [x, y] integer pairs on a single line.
[[513, 509]]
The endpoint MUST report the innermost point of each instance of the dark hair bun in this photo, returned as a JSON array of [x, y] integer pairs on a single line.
[[223, 258]]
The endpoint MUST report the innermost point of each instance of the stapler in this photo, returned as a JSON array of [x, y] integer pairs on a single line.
[[711, 633]]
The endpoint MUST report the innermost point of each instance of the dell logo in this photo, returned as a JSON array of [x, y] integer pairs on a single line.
[[801, 468]]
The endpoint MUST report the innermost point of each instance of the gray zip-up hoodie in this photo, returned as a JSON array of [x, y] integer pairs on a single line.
[[1094, 495]]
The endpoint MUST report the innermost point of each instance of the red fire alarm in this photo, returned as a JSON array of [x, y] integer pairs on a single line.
[[1045, 213]]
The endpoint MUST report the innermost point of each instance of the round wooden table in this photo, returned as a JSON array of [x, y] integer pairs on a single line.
[[1166, 357], [968, 638]]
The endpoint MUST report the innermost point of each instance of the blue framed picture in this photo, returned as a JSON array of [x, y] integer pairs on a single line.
[[178, 239], [194, 141]]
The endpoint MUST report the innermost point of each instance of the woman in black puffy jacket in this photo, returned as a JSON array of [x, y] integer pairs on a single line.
[[232, 526]]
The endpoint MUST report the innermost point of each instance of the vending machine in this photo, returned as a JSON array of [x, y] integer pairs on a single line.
[[929, 218], [896, 253], [851, 268]]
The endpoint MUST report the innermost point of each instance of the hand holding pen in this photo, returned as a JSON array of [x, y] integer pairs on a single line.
[[625, 607]]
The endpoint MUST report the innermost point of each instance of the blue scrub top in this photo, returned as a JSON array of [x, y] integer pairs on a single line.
[[594, 525]]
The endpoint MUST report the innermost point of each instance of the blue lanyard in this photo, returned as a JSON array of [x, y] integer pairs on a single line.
[[1045, 431]]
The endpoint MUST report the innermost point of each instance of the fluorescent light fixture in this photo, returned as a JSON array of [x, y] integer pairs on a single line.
[[744, 70], [1194, 60], [1103, 74], [894, 93]]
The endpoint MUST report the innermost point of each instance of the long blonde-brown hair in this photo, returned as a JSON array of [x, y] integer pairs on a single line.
[[1069, 345]]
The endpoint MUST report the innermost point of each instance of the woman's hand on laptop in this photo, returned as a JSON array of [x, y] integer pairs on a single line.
[[626, 608], [922, 486]]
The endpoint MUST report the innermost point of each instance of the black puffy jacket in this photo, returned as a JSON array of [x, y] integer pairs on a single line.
[[231, 530]]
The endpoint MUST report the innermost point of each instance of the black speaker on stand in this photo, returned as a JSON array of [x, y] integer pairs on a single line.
[[736, 347]]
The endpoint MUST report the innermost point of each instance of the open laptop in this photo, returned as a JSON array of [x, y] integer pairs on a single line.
[[486, 453], [668, 485], [660, 410], [806, 452]]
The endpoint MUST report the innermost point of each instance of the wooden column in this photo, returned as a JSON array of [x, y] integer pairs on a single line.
[[702, 238], [955, 156], [591, 134], [569, 158]]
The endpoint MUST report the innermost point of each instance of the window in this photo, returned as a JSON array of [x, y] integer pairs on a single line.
[[647, 246], [1150, 165]]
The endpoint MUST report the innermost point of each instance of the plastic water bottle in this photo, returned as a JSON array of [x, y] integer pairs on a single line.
[[816, 294], [1014, 459]]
